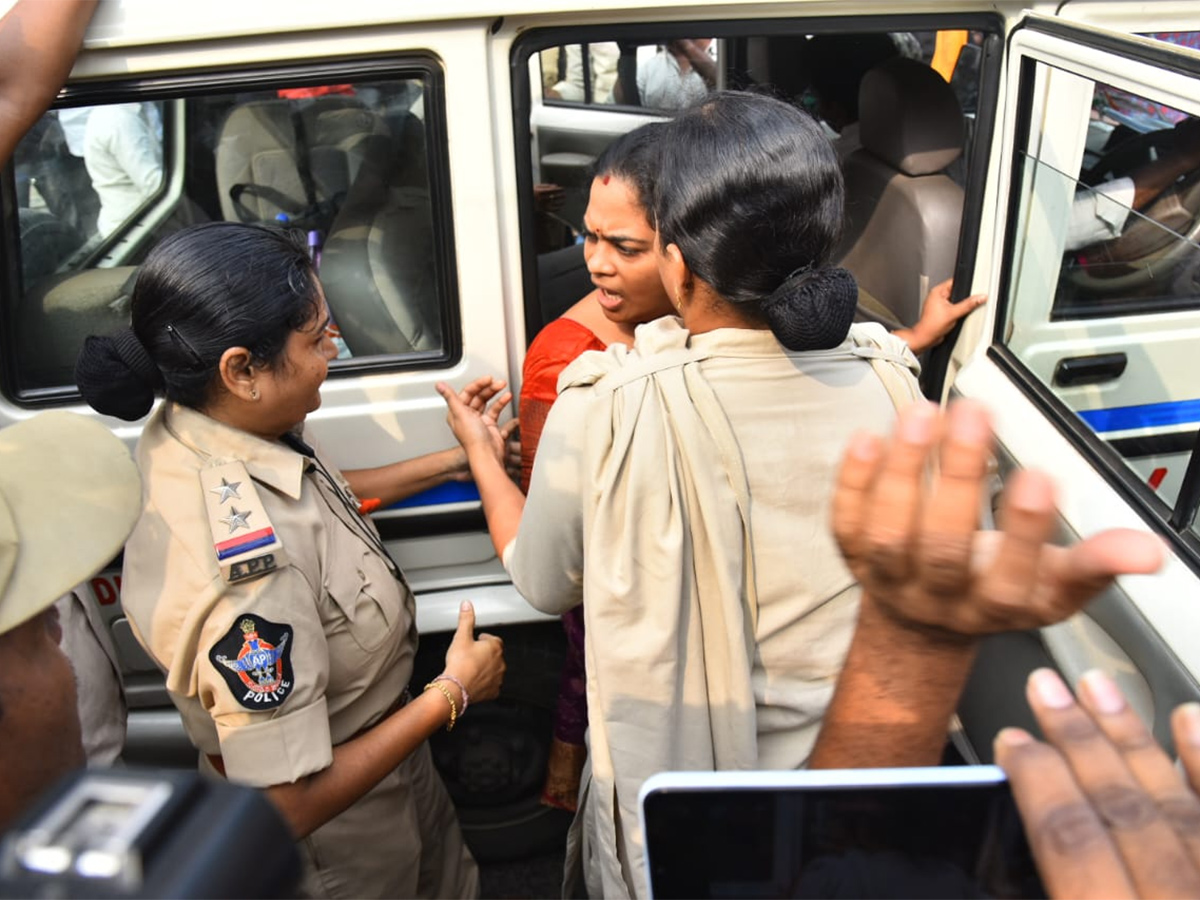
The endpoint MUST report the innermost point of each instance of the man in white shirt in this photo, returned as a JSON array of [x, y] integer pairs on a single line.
[[680, 74], [123, 152], [603, 59], [1099, 213]]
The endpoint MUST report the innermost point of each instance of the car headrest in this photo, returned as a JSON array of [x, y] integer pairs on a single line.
[[909, 117]]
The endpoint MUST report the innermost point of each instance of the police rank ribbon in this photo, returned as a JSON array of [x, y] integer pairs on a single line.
[[244, 540]]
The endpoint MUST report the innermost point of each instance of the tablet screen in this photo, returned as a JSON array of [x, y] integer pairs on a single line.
[[962, 840]]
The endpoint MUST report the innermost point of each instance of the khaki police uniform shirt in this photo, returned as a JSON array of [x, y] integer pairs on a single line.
[[334, 615]]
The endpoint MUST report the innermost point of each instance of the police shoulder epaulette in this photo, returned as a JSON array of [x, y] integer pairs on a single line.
[[244, 540]]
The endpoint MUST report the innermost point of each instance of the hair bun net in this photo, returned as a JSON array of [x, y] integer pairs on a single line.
[[812, 310], [116, 376]]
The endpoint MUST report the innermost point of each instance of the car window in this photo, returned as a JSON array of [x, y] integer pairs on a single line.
[[584, 94], [346, 164], [655, 76], [1103, 295]]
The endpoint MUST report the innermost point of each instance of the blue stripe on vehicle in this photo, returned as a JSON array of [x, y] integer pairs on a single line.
[[450, 492], [1149, 415]]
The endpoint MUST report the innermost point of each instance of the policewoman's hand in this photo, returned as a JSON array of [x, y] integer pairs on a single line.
[[477, 662]]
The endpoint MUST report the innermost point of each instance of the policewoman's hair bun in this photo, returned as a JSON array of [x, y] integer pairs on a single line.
[[813, 308], [116, 376], [201, 290]]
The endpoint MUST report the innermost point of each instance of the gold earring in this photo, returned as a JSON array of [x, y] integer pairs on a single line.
[[253, 393], [678, 301]]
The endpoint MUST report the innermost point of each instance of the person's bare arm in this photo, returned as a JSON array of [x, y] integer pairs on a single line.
[[698, 56], [398, 481], [933, 585], [38, 43], [938, 316], [1155, 177], [361, 763], [392, 483]]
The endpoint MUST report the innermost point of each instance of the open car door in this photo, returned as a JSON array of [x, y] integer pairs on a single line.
[[1092, 333]]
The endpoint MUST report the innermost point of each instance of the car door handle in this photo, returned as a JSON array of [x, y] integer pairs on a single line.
[[1089, 369]]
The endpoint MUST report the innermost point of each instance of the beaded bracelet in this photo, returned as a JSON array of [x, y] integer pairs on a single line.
[[466, 698], [449, 699]]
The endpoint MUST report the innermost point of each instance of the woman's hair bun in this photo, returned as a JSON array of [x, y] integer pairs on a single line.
[[116, 375], [812, 309]]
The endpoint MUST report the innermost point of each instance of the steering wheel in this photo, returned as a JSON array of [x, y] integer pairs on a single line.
[[1148, 248]]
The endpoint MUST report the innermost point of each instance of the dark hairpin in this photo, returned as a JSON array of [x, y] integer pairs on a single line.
[[175, 333], [802, 270]]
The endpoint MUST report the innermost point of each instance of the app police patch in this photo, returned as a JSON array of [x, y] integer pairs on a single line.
[[255, 660]]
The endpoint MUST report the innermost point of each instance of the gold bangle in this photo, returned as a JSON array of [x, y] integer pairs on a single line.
[[453, 706]]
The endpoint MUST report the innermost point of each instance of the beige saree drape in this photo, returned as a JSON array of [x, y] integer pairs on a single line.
[[642, 471]]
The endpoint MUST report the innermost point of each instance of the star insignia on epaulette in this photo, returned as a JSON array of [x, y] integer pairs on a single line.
[[228, 489], [236, 520]]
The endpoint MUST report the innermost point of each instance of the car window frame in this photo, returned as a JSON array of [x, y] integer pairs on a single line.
[[1172, 523], [166, 87], [533, 40]]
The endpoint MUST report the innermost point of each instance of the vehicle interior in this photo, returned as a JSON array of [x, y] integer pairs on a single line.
[[905, 165], [344, 164]]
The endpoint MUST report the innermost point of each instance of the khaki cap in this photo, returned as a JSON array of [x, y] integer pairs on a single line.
[[69, 497]]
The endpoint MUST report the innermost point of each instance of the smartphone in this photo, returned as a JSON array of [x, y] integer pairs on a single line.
[[951, 831]]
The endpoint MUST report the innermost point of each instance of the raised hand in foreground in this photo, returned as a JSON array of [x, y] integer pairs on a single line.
[[933, 583]]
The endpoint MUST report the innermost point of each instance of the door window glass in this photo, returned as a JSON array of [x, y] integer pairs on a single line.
[[1104, 286], [346, 164]]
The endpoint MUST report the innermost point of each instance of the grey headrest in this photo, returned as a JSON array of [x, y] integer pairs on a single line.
[[909, 117]]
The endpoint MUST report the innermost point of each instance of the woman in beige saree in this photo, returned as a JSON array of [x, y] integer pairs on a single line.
[[682, 486]]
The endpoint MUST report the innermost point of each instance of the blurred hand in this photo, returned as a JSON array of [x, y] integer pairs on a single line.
[[938, 316], [1106, 812], [477, 662], [913, 541], [473, 412]]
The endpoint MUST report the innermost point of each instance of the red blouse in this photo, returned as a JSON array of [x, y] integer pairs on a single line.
[[555, 347]]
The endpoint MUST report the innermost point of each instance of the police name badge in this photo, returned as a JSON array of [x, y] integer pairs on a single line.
[[243, 537], [254, 658]]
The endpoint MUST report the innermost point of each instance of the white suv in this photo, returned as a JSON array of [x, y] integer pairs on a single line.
[[407, 140]]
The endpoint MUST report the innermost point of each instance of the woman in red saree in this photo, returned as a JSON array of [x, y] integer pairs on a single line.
[[618, 245]]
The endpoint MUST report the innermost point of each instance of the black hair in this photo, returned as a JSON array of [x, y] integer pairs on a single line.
[[201, 291], [634, 158], [750, 191]]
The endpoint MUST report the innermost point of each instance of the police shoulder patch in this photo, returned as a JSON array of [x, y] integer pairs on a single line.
[[244, 539], [254, 657]]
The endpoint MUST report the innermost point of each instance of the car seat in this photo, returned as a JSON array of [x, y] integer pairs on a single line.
[[56, 315], [378, 263], [903, 212], [563, 280], [293, 157]]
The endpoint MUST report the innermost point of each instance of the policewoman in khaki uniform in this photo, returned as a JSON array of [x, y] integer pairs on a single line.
[[256, 582]]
